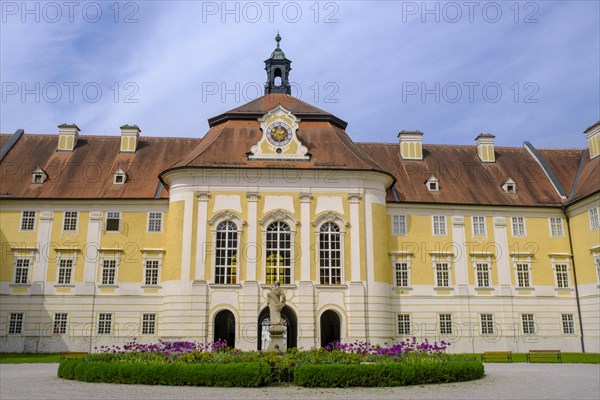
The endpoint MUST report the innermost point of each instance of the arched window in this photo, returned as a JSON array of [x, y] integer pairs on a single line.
[[330, 254], [226, 259], [278, 257]]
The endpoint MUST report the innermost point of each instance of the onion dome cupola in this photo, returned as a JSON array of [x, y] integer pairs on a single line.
[[278, 69]]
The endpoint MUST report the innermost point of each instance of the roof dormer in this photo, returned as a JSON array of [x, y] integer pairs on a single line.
[[433, 184], [593, 137], [67, 137], [120, 177], [411, 145], [39, 176], [485, 147], [130, 135], [510, 186]]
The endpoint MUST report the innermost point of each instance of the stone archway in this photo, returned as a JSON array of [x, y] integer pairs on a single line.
[[224, 327], [288, 317], [330, 327]]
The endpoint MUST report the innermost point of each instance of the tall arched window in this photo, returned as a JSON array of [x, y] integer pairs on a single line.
[[226, 259], [330, 254], [278, 257]]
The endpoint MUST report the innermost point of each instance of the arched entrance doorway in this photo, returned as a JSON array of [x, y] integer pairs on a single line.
[[330, 327], [225, 327], [289, 321]]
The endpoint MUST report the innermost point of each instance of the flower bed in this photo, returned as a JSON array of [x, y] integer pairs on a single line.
[[214, 364]]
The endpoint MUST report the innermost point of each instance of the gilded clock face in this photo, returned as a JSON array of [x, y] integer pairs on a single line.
[[279, 133]]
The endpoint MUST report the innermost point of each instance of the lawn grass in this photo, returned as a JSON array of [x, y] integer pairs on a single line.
[[567, 358], [25, 358]]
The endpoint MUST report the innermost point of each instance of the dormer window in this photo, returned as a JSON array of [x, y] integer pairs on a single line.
[[510, 186], [120, 177], [433, 184], [39, 176]]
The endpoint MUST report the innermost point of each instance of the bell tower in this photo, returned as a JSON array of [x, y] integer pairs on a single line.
[[278, 69]]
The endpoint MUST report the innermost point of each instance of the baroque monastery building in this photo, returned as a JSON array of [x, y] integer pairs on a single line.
[[105, 238]]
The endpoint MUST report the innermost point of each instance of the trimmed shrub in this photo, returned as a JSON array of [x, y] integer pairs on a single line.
[[239, 375], [386, 374]]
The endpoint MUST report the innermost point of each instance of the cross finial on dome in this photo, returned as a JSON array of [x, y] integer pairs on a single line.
[[278, 39]]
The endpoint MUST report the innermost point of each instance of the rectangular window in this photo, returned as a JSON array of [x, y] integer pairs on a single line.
[[404, 325], [113, 221], [528, 324], [518, 226], [523, 276], [70, 222], [445, 324], [562, 275], [28, 221], [399, 224], [15, 324], [594, 218], [478, 226], [487, 324], [401, 273], [60, 323], [442, 275], [22, 270], [104, 324], [154, 221], [65, 271], [568, 324], [483, 275], [439, 225], [151, 272], [556, 227], [148, 324], [109, 269], [597, 264]]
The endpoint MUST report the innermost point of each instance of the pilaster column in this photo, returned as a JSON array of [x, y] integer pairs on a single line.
[[43, 244], [202, 198], [90, 254], [305, 244], [460, 260], [251, 254], [354, 200]]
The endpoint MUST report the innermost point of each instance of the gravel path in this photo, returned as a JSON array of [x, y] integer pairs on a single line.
[[502, 381]]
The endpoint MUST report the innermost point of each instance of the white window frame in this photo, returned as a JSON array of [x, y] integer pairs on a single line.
[[528, 327], [151, 258], [555, 267], [150, 228], [594, 218], [444, 325], [441, 223], [556, 227], [23, 217], [119, 177], [567, 322], [486, 325], [399, 221], [330, 278], [514, 225], [448, 264], [20, 257], [114, 258], [102, 323], [108, 213], [395, 265], [488, 271], [20, 321], [474, 224], [596, 261], [61, 323], [148, 320], [64, 225], [239, 224], [280, 216], [433, 184], [60, 257], [337, 219], [527, 263], [403, 319]]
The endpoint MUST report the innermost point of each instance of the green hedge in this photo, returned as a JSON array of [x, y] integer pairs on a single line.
[[386, 374], [173, 374]]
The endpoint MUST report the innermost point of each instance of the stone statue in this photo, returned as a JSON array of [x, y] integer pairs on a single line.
[[276, 302]]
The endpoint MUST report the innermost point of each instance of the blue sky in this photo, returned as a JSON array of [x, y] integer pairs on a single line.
[[526, 70]]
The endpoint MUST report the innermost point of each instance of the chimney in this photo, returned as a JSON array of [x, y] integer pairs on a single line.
[[485, 147], [67, 137], [130, 134], [411, 145], [593, 137]]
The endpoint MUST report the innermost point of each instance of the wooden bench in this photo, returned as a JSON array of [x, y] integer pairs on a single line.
[[501, 355], [543, 354]]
